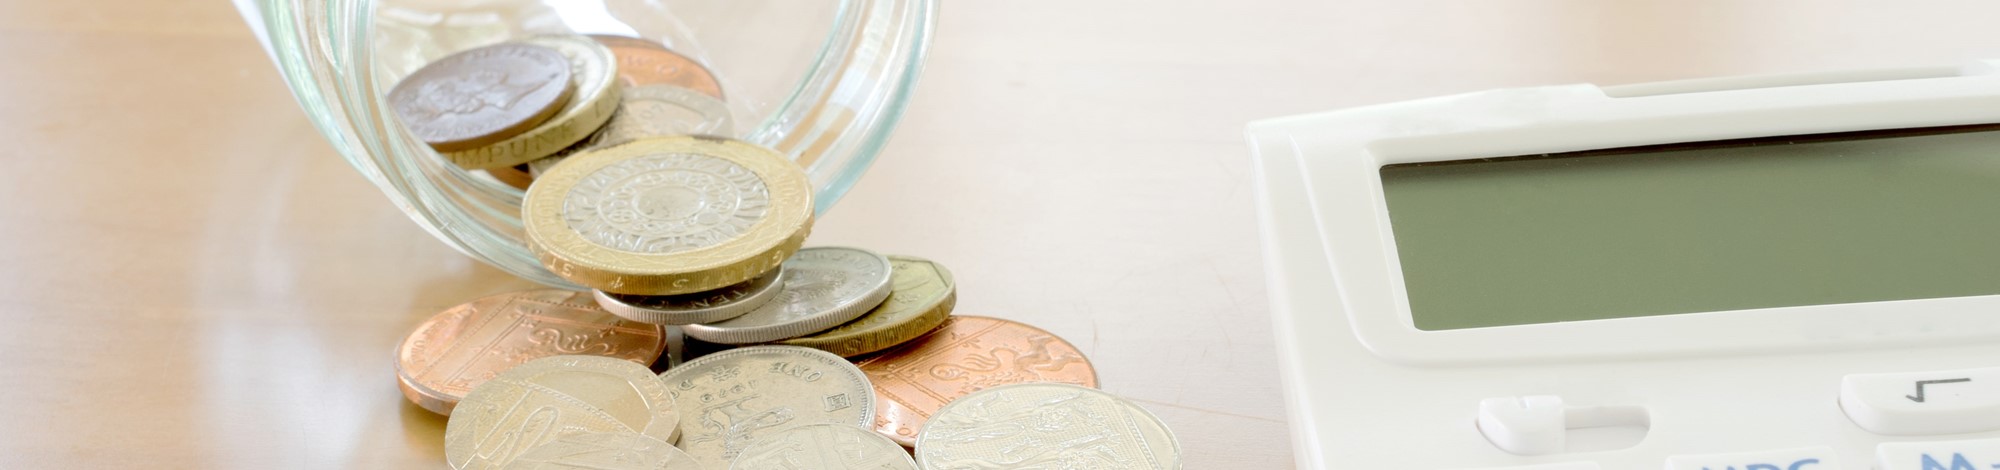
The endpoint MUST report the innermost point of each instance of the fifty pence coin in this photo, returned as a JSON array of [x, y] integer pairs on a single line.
[[552, 398], [965, 355], [921, 295], [716, 305], [605, 451], [824, 286], [1042, 425], [481, 96], [464, 346], [731, 398], [824, 447], [668, 215], [595, 99], [650, 111]]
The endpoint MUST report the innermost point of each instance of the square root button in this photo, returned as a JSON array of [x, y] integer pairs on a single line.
[[1947, 455], [1810, 458], [1923, 403]]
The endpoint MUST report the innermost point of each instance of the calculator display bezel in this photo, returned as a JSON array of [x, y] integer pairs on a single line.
[[1343, 155]]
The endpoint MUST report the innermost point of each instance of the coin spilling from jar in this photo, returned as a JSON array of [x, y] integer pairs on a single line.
[[692, 246]]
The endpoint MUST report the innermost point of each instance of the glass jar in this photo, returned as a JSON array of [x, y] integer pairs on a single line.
[[822, 82]]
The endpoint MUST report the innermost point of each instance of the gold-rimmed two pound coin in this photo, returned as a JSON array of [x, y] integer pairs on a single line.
[[668, 215]]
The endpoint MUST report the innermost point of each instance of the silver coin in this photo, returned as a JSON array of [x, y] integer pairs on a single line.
[[824, 447], [546, 399], [649, 111], [605, 451], [824, 287], [733, 397], [700, 307], [1045, 425]]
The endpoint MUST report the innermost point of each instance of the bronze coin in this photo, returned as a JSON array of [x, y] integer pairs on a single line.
[[484, 95], [642, 62], [466, 345], [516, 176], [967, 354]]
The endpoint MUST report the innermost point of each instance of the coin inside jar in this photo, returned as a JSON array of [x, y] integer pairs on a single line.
[[716, 305], [731, 398], [921, 295], [1047, 426], [642, 62], [552, 397], [596, 98], [605, 451], [668, 215], [824, 286], [823, 447], [650, 111], [965, 355], [481, 96], [461, 347]]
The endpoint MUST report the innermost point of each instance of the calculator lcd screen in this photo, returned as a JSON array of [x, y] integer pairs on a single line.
[[1692, 228]]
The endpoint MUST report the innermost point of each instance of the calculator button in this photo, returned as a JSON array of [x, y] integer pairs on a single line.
[[1810, 458], [1532, 425], [1548, 466], [1920, 403], [1977, 455]]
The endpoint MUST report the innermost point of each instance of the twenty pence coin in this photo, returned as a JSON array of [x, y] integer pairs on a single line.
[[716, 305], [731, 398], [552, 398], [595, 99], [483, 95], [1050, 426], [458, 349], [965, 355], [824, 286], [824, 447], [605, 451], [921, 295], [668, 215]]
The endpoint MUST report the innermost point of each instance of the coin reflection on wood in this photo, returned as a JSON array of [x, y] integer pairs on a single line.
[[823, 447], [922, 294], [553, 397], [967, 354], [1046, 426], [461, 347]]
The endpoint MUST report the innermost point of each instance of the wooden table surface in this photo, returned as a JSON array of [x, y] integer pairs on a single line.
[[191, 278]]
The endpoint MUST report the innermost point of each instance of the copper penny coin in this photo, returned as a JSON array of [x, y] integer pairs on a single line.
[[642, 62], [466, 345], [484, 95], [967, 354]]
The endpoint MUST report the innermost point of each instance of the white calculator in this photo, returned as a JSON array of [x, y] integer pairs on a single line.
[[1768, 273]]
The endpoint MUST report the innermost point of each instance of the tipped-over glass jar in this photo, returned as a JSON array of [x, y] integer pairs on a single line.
[[822, 82]]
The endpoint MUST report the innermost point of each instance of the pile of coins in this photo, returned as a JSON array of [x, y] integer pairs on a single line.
[[817, 357]]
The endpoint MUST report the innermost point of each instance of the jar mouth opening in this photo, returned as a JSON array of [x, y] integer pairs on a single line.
[[836, 116]]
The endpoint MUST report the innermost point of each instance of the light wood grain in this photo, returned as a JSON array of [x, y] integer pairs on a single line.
[[190, 278]]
